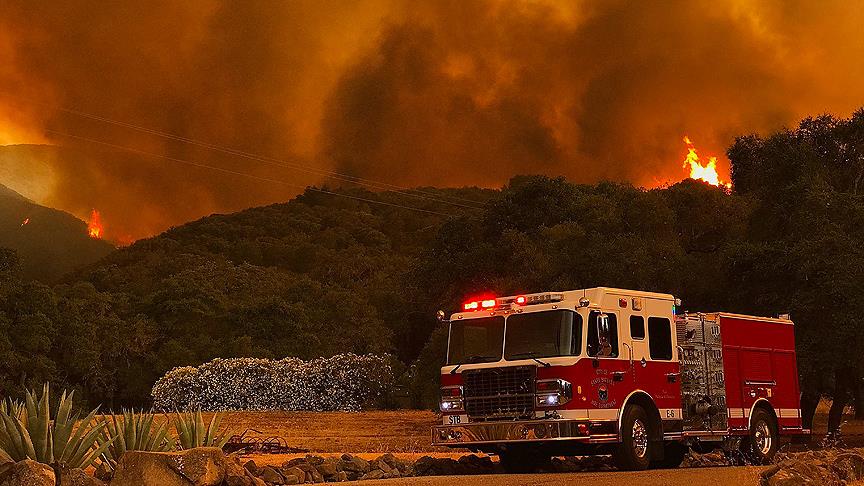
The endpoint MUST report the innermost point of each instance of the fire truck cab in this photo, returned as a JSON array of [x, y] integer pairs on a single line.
[[613, 371]]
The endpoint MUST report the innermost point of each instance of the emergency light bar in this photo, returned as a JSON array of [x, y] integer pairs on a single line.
[[530, 299]]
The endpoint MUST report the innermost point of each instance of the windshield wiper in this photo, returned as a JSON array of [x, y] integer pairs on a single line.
[[474, 358], [532, 355]]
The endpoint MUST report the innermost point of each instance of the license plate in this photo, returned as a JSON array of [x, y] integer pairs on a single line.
[[455, 419]]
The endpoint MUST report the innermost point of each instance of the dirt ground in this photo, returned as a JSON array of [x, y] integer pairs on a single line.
[[653, 477], [403, 433]]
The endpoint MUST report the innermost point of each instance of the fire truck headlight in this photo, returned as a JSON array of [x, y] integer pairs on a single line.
[[552, 393], [451, 405], [451, 399]]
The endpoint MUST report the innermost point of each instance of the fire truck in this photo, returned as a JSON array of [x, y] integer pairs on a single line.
[[613, 371]]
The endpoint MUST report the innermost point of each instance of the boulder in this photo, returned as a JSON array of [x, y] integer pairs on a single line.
[[373, 474], [329, 468], [203, 466], [270, 475], [77, 477], [355, 464], [430, 466], [298, 475], [848, 466], [28, 473], [252, 467]]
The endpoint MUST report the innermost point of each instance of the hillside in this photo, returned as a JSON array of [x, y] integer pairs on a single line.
[[51, 243]]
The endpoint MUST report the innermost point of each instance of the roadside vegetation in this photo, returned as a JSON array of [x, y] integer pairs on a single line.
[[320, 276]]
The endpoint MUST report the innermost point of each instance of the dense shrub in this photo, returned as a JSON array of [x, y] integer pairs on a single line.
[[343, 382]]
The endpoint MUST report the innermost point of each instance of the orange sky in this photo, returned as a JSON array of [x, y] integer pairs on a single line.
[[433, 93]]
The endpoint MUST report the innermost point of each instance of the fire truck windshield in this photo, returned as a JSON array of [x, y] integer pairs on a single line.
[[476, 340], [543, 335]]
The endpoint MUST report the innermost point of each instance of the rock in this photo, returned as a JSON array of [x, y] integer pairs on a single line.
[[330, 467], [252, 467], [104, 472], [766, 474], [298, 475], [785, 478], [314, 460], [848, 466], [376, 464], [77, 477], [270, 475], [204, 466], [237, 475], [355, 464], [473, 464], [430, 466], [339, 477], [28, 473], [374, 474]]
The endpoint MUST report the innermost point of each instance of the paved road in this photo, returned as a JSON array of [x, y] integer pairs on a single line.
[[668, 477]]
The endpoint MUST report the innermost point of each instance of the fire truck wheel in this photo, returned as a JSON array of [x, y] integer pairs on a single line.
[[764, 439], [523, 460], [634, 451], [673, 455]]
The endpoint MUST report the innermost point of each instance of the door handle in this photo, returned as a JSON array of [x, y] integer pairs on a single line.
[[618, 376], [672, 377]]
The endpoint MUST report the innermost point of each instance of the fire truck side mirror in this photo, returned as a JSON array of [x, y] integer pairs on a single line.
[[442, 317]]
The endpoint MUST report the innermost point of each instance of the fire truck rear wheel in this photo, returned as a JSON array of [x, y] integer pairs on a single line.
[[764, 439], [634, 451]]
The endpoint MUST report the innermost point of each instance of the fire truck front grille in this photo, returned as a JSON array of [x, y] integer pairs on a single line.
[[500, 393]]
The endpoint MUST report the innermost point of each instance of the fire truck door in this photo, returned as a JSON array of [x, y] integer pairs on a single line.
[[608, 347], [638, 344]]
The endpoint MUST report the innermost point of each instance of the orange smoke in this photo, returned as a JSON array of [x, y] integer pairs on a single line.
[[94, 225], [707, 172]]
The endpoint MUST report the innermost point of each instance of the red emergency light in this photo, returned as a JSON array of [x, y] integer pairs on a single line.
[[479, 304]]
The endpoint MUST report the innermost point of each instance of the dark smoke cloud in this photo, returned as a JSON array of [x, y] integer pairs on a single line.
[[439, 93]]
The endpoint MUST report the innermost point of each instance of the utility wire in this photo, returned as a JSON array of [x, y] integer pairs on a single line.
[[465, 203], [243, 174]]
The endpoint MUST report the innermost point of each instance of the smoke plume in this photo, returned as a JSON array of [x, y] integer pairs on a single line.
[[408, 93]]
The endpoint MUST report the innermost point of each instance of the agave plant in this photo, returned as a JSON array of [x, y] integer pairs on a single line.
[[33, 432], [193, 432], [12, 408], [133, 431]]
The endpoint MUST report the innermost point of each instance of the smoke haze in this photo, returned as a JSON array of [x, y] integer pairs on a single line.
[[409, 93]]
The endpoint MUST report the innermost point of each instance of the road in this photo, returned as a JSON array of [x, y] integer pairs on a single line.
[[666, 477]]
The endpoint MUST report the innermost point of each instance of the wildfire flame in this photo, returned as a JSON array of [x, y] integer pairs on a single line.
[[708, 172], [94, 225], [25, 222]]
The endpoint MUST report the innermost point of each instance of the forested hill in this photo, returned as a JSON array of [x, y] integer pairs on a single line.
[[50, 243], [365, 272]]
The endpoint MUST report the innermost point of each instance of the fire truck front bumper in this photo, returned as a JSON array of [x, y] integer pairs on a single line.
[[589, 432]]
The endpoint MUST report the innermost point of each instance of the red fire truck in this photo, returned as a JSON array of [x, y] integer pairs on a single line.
[[612, 371]]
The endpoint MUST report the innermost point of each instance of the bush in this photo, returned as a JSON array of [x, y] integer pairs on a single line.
[[346, 382]]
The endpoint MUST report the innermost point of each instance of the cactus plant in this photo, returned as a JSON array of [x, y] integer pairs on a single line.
[[133, 431], [33, 432], [192, 431]]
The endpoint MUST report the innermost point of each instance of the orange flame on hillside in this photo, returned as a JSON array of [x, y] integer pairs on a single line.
[[25, 222], [94, 225], [708, 172]]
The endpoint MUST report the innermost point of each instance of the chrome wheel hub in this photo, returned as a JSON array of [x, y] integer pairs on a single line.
[[640, 438], [762, 438]]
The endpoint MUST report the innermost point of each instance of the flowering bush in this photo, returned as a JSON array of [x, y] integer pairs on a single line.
[[343, 382]]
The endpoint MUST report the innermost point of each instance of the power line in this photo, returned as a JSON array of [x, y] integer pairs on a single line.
[[243, 174], [466, 203]]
